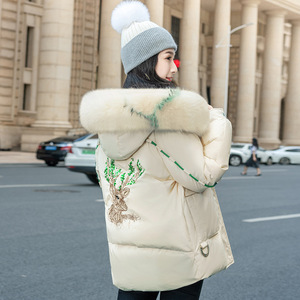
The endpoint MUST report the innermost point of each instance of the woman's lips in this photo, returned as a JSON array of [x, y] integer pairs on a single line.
[[169, 78]]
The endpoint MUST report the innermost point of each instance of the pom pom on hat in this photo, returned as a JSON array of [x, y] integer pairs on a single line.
[[128, 12]]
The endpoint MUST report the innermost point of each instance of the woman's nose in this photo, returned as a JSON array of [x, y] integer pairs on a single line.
[[174, 68]]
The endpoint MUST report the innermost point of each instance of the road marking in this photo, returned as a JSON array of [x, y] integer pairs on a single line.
[[21, 165], [100, 200], [8, 186], [272, 218], [273, 170]]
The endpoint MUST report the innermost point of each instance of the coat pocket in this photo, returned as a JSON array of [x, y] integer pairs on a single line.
[[212, 256], [202, 215]]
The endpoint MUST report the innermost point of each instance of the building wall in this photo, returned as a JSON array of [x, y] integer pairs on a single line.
[[9, 39], [19, 26], [84, 55]]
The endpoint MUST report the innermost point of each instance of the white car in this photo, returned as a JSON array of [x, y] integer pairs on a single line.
[[81, 157], [287, 155], [240, 152]]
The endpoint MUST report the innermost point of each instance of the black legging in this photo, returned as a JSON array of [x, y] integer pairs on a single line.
[[190, 292]]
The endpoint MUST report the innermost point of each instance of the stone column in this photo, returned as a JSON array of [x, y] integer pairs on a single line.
[[156, 9], [55, 65], [109, 71], [219, 55], [189, 45], [269, 119], [247, 69], [167, 18], [291, 129], [54, 78]]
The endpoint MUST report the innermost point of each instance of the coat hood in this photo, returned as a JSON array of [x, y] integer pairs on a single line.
[[124, 118]]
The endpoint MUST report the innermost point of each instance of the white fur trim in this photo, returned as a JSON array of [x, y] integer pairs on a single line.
[[128, 12], [116, 110]]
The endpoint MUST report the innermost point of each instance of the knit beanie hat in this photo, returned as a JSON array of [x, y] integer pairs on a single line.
[[140, 38]]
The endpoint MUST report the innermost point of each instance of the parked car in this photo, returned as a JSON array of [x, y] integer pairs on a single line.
[[81, 157], [287, 155], [240, 152], [56, 149]]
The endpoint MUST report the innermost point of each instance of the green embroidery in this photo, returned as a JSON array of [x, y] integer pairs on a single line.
[[194, 177], [152, 118], [117, 211], [178, 165], [140, 168], [211, 186], [130, 177], [164, 153]]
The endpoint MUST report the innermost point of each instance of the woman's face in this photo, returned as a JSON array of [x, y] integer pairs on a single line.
[[165, 67]]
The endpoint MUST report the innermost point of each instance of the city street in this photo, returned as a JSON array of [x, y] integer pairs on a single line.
[[53, 238]]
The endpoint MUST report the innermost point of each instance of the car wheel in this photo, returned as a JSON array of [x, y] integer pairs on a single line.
[[269, 161], [51, 163], [284, 161], [235, 160], [92, 178]]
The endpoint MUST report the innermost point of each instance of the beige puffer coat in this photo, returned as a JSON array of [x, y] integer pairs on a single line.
[[161, 152]]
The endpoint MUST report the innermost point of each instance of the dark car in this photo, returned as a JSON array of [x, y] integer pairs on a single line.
[[55, 150]]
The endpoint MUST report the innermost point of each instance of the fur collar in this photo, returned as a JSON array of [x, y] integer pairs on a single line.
[[122, 110]]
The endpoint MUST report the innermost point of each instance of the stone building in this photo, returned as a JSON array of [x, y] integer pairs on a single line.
[[53, 51]]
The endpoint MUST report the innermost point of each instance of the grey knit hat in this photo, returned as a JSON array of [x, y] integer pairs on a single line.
[[140, 38]]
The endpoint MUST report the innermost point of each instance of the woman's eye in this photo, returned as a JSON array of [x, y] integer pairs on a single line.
[[169, 58]]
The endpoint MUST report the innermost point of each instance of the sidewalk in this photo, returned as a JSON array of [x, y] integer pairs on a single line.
[[18, 157]]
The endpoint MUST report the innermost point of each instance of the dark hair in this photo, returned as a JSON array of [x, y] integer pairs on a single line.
[[255, 142], [144, 76]]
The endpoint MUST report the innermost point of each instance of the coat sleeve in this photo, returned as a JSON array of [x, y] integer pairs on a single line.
[[197, 162]]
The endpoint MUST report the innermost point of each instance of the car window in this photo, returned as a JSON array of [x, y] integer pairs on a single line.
[[95, 136], [237, 146], [68, 138], [81, 138], [293, 150]]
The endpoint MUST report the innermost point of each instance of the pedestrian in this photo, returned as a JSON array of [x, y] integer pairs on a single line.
[[161, 151], [252, 160]]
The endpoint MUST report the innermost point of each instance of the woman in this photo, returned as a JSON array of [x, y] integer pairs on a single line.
[[161, 152], [252, 161]]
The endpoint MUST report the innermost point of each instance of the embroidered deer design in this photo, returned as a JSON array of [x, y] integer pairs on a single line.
[[116, 177]]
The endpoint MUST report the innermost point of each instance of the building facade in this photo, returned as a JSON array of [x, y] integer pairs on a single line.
[[53, 51]]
